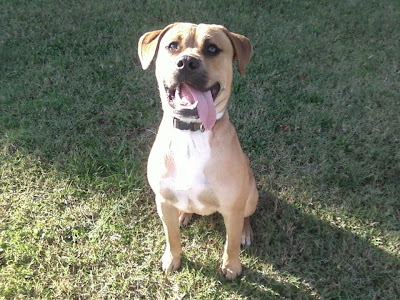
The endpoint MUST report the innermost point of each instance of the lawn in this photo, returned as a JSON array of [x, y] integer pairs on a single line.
[[317, 114]]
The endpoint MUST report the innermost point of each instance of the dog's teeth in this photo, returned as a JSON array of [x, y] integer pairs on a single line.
[[186, 106]]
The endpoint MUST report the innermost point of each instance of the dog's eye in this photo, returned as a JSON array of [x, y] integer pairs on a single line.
[[212, 49], [173, 46]]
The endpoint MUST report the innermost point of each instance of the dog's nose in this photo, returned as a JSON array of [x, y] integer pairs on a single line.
[[188, 62]]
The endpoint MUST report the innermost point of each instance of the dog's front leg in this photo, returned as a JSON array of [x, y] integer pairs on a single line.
[[171, 260], [231, 265]]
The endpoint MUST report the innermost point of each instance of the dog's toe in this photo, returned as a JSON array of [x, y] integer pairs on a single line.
[[232, 270], [247, 233], [184, 218], [170, 264]]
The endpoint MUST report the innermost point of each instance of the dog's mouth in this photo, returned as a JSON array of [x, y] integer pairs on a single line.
[[191, 102], [183, 96]]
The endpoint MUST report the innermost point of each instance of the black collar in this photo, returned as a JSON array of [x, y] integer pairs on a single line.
[[192, 126]]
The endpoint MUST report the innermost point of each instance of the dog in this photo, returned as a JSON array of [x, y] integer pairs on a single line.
[[196, 164]]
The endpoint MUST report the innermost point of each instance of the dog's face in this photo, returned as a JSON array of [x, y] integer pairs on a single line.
[[194, 67]]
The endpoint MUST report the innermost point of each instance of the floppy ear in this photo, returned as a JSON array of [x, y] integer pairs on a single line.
[[243, 50], [148, 45]]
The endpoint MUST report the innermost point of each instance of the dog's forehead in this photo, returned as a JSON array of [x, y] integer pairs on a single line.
[[197, 34]]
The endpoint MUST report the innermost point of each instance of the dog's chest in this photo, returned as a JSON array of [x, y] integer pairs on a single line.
[[186, 186]]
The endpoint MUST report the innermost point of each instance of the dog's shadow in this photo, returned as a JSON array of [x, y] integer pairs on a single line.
[[302, 256]]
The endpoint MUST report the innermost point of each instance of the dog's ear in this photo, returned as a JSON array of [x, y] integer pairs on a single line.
[[242, 48], [148, 45]]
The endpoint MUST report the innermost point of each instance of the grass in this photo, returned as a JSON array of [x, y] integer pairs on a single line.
[[317, 113]]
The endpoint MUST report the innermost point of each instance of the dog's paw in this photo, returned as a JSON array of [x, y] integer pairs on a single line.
[[170, 264], [184, 218], [232, 269], [247, 233]]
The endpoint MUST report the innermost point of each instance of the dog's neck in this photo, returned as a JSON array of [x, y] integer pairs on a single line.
[[190, 124]]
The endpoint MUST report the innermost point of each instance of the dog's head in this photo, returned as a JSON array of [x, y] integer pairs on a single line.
[[194, 67]]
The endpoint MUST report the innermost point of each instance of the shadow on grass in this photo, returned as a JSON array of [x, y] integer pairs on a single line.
[[332, 262], [296, 255]]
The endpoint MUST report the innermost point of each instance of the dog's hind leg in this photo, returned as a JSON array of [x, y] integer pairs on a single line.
[[184, 218], [247, 233]]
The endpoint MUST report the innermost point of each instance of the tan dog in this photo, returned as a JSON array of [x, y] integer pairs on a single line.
[[196, 164]]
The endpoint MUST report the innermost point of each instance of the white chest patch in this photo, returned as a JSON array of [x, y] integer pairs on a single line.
[[190, 151]]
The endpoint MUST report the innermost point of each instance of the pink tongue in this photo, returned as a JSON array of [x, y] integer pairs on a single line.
[[205, 104]]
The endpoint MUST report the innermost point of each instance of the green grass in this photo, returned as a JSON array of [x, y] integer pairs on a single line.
[[317, 113]]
